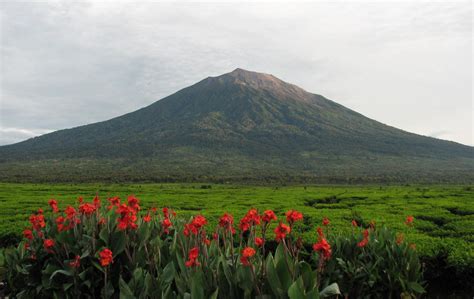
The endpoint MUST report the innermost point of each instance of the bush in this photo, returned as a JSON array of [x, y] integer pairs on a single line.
[[116, 249]]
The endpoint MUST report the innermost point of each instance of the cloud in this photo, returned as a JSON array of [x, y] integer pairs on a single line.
[[13, 135], [65, 64]]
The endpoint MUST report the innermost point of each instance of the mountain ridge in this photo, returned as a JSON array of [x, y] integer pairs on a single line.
[[238, 124]]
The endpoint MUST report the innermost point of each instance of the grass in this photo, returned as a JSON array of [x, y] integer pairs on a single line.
[[444, 215]]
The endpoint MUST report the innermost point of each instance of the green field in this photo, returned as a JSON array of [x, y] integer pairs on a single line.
[[444, 215]]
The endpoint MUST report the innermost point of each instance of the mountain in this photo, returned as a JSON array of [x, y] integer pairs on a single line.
[[238, 126]]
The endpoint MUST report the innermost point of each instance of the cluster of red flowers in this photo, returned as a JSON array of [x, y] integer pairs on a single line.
[[281, 231], [37, 220], [365, 240], [322, 246], [227, 223], [128, 213], [250, 219], [48, 245], [192, 258], [106, 257], [247, 253], [54, 205], [195, 225], [292, 216], [268, 216]]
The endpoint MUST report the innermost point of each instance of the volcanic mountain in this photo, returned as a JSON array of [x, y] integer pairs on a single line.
[[241, 125]]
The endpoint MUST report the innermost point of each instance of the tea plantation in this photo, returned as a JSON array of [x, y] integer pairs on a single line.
[[443, 229]]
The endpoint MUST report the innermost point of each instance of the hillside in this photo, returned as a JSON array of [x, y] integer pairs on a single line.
[[244, 126]]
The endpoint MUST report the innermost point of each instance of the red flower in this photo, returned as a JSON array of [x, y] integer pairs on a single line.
[[54, 205], [326, 221], [166, 213], [365, 240], [60, 223], [114, 202], [166, 224], [281, 231], [259, 242], [76, 262], [128, 217], [147, 218], [320, 232], [409, 220], [48, 244], [106, 257], [247, 253], [80, 199], [354, 223], [268, 216], [37, 221], [101, 221], [226, 221], [195, 225], [215, 236], [192, 258], [96, 202], [323, 248], [292, 216], [28, 234], [251, 218], [87, 209], [70, 212], [133, 203]]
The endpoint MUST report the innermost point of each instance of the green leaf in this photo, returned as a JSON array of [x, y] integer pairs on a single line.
[[272, 277], [168, 273], [118, 242], [214, 295], [197, 289], [330, 290], [125, 292], [416, 287], [296, 290], [64, 272]]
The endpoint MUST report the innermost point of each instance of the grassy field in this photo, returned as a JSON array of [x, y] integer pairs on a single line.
[[444, 215]]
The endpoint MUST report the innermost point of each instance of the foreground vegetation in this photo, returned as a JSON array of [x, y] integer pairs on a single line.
[[115, 249], [444, 231]]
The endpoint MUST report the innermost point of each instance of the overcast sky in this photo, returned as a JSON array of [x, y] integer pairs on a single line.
[[65, 64]]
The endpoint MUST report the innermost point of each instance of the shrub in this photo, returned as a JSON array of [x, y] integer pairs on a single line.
[[113, 250]]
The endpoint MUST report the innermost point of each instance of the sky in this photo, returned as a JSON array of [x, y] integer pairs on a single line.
[[65, 64]]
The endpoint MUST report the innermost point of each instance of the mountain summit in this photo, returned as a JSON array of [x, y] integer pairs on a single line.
[[241, 125]]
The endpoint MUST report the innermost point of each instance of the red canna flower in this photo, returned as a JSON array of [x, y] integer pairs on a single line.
[[320, 232], [226, 221], [326, 221], [102, 221], [106, 257], [365, 240], [76, 263], [133, 203], [247, 253], [48, 244], [128, 217], [37, 221], [114, 202], [166, 224], [354, 223], [28, 234], [166, 212], [96, 201], [281, 231], [250, 219], [409, 220], [192, 258], [54, 205], [80, 200], [323, 248], [292, 216], [259, 242], [87, 209], [60, 223], [70, 212], [147, 218], [268, 216], [215, 236]]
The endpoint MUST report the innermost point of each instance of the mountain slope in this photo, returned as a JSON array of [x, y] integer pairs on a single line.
[[240, 124]]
